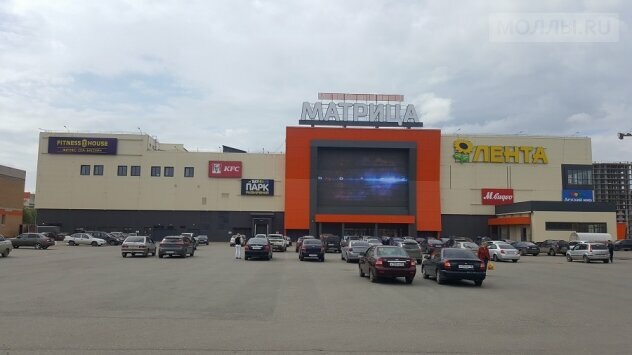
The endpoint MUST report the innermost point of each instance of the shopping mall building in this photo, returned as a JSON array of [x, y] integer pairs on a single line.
[[336, 176]]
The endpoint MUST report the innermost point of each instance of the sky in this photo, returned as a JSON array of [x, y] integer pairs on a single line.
[[212, 73]]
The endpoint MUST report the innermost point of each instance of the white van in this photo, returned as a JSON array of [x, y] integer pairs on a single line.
[[589, 237]]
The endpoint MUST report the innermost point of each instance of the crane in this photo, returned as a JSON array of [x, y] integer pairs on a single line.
[[621, 135]]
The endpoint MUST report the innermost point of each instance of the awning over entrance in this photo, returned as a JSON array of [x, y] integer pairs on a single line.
[[506, 221], [371, 218]]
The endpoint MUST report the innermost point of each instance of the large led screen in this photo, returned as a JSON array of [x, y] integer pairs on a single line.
[[362, 179]]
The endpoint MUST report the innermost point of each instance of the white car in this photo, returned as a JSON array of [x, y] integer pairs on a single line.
[[85, 239], [503, 252], [588, 252], [467, 245], [5, 246]]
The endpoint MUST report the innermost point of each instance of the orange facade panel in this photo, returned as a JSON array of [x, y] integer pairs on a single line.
[[506, 221], [354, 218], [298, 165], [622, 230]]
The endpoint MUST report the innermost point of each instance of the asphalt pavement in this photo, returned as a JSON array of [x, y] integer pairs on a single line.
[[90, 300]]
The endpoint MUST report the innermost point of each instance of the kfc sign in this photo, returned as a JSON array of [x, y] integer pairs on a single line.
[[497, 196], [224, 169]]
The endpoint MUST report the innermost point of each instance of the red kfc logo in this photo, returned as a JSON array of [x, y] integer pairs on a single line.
[[224, 169], [497, 196]]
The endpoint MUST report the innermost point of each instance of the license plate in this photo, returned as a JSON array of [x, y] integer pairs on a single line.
[[466, 266], [256, 248], [397, 264], [169, 252], [313, 255]]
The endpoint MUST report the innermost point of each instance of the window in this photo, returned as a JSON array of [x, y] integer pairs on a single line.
[[169, 171], [135, 171], [3, 219], [588, 227], [188, 171], [85, 170], [122, 170], [155, 171], [98, 170]]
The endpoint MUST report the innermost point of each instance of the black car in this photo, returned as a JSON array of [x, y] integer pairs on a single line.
[[176, 245], [527, 248], [454, 264], [258, 248], [110, 239], [331, 243], [387, 262], [625, 244], [312, 248], [35, 240], [430, 245], [553, 247]]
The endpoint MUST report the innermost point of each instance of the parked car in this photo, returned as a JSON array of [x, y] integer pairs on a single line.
[[374, 241], [393, 241], [387, 261], [347, 238], [312, 248], [258, 248], [35, 240], [412, 249], [588, 252], [300, 241], [202, 239], [5, 246], [625, 244], [176, 245], [288, 241], [331, 243], [84, 239], [138, 245], [191, 238], [277, 242], [527, 248], [109, 239], [430, 245], [553, 247], [467, 245], [354, 250], [503, 252], [454, 264]]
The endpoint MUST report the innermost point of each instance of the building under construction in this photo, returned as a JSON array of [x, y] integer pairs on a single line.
[[613, 183]]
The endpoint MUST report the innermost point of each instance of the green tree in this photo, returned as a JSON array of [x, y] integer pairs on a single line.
[[29, 216]]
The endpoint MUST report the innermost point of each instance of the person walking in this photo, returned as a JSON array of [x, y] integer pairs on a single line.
[[611, 250], [483, 254], [238, 246]]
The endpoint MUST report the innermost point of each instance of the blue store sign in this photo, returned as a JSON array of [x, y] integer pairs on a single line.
[[577, 195]]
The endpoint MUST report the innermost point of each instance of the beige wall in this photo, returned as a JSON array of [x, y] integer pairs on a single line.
[[461, 184], [539, 218], [59, 184]]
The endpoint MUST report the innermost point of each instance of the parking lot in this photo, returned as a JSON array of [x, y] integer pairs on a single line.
[[89, 300]]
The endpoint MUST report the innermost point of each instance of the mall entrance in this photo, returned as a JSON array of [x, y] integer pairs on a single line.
[[364, 229]]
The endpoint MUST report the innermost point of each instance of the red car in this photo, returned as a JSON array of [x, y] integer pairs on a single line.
[[387, 261]]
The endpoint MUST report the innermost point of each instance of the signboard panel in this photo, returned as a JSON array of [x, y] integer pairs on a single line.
[[497, 196], [224, 169], [82, 145], [577, 195], [257, 187]]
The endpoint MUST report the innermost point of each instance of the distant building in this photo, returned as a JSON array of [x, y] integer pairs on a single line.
[[613, 183], [29, 200], [11, 200]]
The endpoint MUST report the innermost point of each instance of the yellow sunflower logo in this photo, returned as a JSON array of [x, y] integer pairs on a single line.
[[463, 146]]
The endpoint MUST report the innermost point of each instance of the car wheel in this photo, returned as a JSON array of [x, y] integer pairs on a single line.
[[536, 254], [94, 244], [569, 259], [71, 243], [160, 256], [522, 252], [409, 280], [606, 261], [360, 271], [495, 258], [145, 254], [5, 253], [37, 246], [372, 276], [124, 255], [586, 259], [153, 253], [438, 278], [515, 260], [551, 252], [322, 260], [478, 283], [423, 273]]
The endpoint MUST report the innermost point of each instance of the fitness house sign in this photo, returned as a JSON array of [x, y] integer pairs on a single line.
[[82, 145], [466, 152]]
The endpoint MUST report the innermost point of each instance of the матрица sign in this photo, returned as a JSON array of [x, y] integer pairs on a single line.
[[345, 110]]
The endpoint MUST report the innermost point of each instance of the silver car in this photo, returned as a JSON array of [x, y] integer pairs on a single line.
[[467, 245], [588, 252], [503, 252], [138, 245], [374, 241], [354, 250]]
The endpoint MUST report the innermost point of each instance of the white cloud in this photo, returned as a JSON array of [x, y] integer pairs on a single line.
[[579, 118], [433, 109]]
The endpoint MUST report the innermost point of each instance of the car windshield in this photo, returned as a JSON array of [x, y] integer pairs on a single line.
[[333, 239], [434, 241], [505, 246], [393, 251], [470, 245], [311, 242], [458, 253], [410, 245], [257, 241], [134, 240], [374, 241], [599, 247], [172, 239], [275, 237], [359, 243], [527, 244]]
